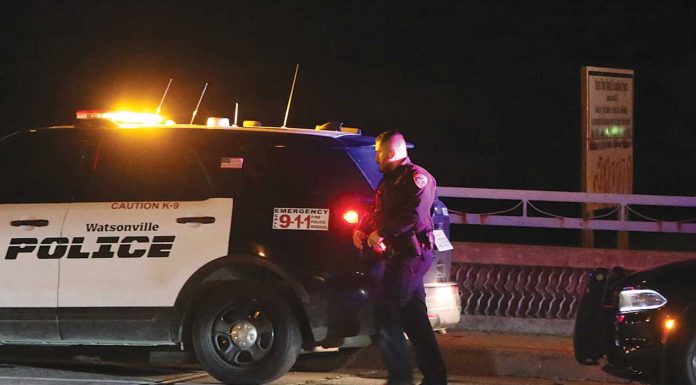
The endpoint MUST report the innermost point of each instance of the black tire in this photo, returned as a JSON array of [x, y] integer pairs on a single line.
[[245, 334], [686, 360]]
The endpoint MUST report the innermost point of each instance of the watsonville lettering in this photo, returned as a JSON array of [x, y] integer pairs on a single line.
[[107, 227]]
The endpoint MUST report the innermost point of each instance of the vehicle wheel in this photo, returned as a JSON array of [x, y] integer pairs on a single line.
[[245, 334], [686, 360]]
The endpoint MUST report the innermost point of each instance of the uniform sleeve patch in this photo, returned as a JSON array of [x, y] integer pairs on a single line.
[[420, 180]]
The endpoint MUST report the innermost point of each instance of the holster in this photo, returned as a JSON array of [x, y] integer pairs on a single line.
[[427, 239], [411, 244]]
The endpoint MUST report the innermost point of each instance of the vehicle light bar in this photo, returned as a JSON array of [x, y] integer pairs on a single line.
[[251, 123], [217, 122], [122, 118]]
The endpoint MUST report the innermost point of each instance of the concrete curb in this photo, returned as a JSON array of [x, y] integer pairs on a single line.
[[512, 325]]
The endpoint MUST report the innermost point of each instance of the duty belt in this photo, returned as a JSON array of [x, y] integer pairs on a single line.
[[409, 244]]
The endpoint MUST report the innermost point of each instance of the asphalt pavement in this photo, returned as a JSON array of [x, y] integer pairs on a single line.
[[473, 358], [480, 354]]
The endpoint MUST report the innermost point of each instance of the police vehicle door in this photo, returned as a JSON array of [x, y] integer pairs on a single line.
[[41, 174], [150, 223]]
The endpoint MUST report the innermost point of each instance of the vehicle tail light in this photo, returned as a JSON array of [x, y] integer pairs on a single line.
[[349, 210], [351, 216]]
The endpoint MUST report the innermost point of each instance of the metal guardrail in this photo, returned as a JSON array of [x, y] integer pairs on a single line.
[[546, 292], [532, 216]]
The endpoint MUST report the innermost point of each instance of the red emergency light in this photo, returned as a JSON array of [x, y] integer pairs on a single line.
[[351, 216]]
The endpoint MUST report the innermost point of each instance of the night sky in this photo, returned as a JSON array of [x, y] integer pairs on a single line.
[[488, 91]]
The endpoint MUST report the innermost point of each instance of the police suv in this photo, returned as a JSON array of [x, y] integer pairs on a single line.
[[123, 230]]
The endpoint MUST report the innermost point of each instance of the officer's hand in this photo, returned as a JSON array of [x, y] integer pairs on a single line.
[[358, 239], [376, 242]]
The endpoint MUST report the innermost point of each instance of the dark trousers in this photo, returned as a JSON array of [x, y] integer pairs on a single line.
[[401, 308]]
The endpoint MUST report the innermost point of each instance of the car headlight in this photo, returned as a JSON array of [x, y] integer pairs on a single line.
[[637, 300]]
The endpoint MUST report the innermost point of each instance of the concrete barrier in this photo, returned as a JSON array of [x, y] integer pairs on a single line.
[[556, 256]]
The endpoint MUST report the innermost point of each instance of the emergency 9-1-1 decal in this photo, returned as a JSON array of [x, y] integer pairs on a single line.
[[300, 219]]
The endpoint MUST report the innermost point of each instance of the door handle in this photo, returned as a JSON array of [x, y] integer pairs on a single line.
[[201, 220], [30, 222]]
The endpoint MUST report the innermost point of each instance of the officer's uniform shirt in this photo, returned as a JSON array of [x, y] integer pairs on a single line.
[[403, 202]]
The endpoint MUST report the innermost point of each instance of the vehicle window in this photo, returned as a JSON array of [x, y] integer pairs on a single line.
[[293, 168], [43, 167], [214, 151], [314, 173], [364, 157], [143, 166]]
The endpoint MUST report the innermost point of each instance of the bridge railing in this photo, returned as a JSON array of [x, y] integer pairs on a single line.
[[497, 287], [532, 216]]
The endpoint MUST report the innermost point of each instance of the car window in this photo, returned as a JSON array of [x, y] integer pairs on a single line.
[[142, 166], [43, 167], [316, 172], [288, 167], [364, 158]]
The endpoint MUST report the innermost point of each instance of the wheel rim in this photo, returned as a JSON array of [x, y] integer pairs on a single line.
[[693, 363], [243, 334]]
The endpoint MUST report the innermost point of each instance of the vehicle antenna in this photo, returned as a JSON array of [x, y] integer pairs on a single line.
[[159, 108], [199, 103], [292, 89], [236, 111]]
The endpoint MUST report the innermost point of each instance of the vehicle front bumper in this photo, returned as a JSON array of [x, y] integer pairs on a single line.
[[636, 344], [633, 343]]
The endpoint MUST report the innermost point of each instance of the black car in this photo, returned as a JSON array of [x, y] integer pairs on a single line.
[[644, 323]]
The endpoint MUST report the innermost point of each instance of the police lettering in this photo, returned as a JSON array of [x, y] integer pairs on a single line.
[[107, 247]]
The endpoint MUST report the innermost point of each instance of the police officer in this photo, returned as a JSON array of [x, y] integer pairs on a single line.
[[400, 227]]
